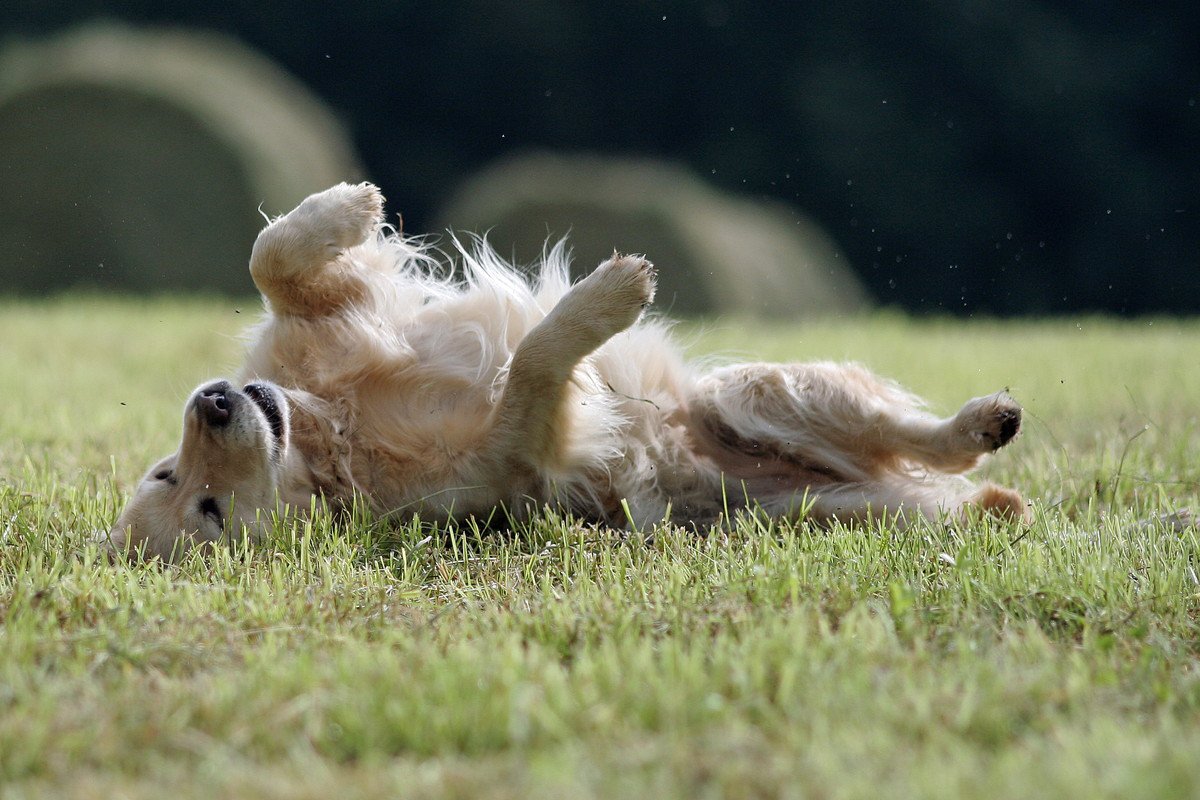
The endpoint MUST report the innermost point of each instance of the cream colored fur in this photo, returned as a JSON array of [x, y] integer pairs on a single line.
[[443, 396]]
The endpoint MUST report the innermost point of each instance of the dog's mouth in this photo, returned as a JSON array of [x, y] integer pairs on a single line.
[[264, 397]]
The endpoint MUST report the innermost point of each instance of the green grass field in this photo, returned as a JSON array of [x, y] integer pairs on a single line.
[[766, 660]]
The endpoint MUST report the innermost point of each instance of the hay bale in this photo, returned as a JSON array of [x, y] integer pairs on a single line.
[[716, 253], [135, 159]]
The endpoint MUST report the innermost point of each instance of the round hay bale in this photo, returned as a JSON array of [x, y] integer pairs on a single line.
[[716, 253], [136, 158]]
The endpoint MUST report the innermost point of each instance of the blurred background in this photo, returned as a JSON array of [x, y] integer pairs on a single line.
[[966, 158]]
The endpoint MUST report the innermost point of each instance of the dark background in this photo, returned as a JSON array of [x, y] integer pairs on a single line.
[[968, 157]]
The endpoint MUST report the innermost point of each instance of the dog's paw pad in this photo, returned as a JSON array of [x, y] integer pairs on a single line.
[[990, 422], [1009, 424]]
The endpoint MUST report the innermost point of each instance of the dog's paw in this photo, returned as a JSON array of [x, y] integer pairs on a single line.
[[997, 501], [615, 294], [342, 216], [988, 423], [629, 280]]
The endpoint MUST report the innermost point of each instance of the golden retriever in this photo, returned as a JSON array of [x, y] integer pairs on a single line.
[[378, 373]]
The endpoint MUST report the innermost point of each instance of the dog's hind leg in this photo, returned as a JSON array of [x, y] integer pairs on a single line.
[[844, 419], [853, 442], [527, 421], [296, 261]]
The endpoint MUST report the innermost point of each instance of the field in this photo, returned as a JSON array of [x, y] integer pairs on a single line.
[[766, 660]]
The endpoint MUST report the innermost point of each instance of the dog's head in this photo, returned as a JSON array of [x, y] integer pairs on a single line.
[[226, 471]]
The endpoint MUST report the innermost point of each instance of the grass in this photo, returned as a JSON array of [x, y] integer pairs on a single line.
[[766, 660]]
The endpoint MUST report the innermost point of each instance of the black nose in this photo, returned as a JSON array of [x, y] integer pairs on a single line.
[[213, 404]]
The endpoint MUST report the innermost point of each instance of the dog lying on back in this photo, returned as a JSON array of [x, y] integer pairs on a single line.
[[376, 373]]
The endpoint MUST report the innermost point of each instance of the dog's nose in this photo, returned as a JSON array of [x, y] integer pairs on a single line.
[[213, 405]]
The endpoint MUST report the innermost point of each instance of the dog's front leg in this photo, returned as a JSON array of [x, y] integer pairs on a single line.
[[295, 261], [524, 425]]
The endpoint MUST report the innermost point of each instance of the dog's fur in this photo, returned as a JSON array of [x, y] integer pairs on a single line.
[[377, 373]]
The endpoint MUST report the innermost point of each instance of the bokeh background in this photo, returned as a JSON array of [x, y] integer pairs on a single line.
[[977, 157]]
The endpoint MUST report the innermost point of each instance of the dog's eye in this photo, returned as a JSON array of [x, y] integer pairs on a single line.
[[165, 475], [209, 508]]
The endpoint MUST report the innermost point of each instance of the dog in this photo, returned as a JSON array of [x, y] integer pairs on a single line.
[[380, 373]]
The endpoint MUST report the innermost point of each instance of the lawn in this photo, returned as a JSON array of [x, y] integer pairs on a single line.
[[382, 658]]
